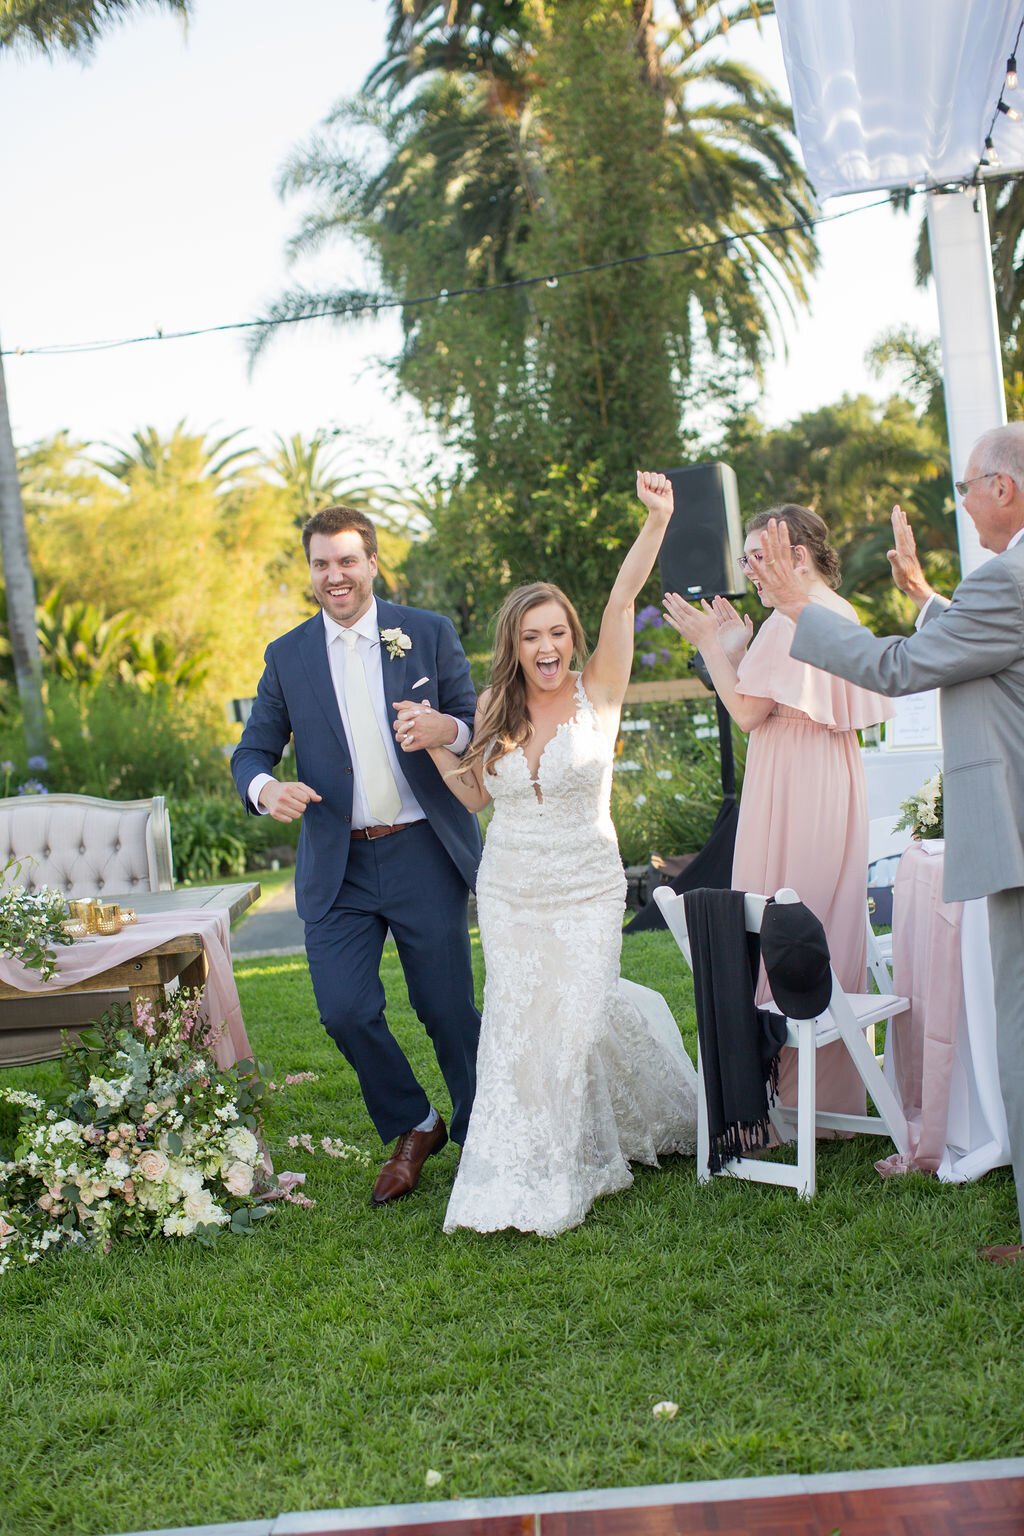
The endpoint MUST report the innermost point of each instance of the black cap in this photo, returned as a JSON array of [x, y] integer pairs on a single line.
[[795, 954]]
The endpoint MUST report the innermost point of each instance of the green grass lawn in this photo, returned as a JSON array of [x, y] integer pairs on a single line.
[[340, 1352]]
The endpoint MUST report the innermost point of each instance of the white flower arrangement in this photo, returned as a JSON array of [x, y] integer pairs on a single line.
[[396, 642], [922, 813], [31, 922], [152, 1140]]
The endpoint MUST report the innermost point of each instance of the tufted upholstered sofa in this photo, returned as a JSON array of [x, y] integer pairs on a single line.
[[82, 846], [88, 847]]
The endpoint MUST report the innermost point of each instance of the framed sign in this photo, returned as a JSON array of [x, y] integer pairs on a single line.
[[916, 721]]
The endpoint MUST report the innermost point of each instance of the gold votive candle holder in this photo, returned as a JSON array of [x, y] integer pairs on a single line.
[[85, 912], [109, 918]]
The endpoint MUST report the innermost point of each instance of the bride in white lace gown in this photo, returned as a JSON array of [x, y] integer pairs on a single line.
[[579, 1071]]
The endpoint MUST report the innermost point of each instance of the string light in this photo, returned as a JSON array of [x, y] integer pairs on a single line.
[[989, 156], [443, 295]]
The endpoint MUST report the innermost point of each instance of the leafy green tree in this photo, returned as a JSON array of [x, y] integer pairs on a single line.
[[503, 143], [851, 461], [50, 27]]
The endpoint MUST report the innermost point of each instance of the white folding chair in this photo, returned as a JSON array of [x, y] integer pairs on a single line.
[[847, 1018]]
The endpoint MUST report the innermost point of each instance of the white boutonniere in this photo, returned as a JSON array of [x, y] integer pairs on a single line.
[[397, 643]]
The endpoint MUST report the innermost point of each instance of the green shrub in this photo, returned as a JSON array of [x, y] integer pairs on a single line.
[[213, 838], [118, 741], [667, 786]]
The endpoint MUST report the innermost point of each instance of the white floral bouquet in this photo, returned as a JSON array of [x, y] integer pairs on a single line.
[[31, 922], [151, 1140], [922, 813]]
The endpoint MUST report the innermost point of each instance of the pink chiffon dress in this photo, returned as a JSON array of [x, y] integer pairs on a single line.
[[803, 820]]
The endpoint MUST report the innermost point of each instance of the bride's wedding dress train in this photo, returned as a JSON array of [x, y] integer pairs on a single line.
[[579, 1072]]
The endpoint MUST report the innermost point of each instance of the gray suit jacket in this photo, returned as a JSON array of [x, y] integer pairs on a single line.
[[973, 649]]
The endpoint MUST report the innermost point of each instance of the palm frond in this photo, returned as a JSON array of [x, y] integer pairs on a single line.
[[71, 26]]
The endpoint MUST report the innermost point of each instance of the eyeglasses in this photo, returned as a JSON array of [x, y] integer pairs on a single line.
[[750, 562], [961, 486]]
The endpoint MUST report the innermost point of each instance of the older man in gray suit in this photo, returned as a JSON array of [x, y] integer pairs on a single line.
[[972, 647]]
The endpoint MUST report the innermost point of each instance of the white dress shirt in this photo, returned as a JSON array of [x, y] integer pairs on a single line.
[[368, 649]]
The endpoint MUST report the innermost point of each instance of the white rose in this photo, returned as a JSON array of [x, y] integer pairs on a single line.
[[241, 1144], [65, 1130], [200, 1208], [188, 1180], [154, 1165], [238, 1178]]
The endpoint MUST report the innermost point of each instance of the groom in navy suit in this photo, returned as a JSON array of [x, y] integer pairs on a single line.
[[363, 687]]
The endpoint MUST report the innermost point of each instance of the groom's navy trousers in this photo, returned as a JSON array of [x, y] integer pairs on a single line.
[[350, 892], [405, 882]]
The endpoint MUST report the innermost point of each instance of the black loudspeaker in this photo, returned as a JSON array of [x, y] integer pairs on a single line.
[[701, 553]]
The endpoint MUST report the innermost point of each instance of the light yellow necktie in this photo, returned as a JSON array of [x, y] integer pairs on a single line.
[[382, 798]]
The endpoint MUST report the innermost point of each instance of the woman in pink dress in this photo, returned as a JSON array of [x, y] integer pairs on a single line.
[[803, 818]]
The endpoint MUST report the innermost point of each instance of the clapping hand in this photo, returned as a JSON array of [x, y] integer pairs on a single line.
[[698, 625], [655, 491], [735, 631], [906, 567]]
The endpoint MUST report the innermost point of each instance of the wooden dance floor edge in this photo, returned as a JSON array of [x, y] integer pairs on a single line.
[[974, 1498]]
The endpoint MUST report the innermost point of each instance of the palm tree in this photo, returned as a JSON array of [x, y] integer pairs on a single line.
[[1005, 208], [49, 27], [307, 470], [484, 169], [20, 587], [74, 26], [180, 458]]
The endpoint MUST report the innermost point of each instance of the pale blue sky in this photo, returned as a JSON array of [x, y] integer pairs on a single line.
[[139, 193]]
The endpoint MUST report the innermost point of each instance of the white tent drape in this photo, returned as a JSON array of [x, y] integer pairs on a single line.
[[900, 93]]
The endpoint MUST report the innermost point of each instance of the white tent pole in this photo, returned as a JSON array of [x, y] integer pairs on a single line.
[[971, 360]]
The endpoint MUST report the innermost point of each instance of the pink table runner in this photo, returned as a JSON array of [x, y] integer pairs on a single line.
[[940, 1054], [89, 957]]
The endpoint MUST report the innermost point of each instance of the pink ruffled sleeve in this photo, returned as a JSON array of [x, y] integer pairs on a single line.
[[768, 671]]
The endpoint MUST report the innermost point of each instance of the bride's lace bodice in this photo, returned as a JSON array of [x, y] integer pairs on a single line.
[[566, 828], [579, 1072]]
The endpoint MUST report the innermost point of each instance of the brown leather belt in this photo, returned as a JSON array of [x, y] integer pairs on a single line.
[[370, 834]]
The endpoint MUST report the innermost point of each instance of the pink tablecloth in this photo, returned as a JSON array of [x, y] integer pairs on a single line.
[[940, 1055], [89, 957]]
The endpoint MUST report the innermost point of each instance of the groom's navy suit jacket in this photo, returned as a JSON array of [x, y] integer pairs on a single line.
[[296, 698]]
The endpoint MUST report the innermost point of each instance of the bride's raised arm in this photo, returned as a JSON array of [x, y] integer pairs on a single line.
[[606, 675]]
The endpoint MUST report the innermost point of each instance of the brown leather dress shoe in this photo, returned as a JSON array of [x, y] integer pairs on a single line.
[[1002, 1253], [401, 1173]]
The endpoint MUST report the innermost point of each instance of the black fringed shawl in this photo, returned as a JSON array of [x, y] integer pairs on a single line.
[[739, 1043]]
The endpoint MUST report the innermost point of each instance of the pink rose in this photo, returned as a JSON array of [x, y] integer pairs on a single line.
[[153, 1165], [6, 1230]]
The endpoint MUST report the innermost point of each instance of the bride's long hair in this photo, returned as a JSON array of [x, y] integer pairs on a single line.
[[504, 724]]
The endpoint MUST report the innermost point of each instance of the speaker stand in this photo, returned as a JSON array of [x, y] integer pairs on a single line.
[[713, 864]]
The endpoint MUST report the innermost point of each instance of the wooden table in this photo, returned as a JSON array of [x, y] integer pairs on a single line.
[[30, 1026]]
